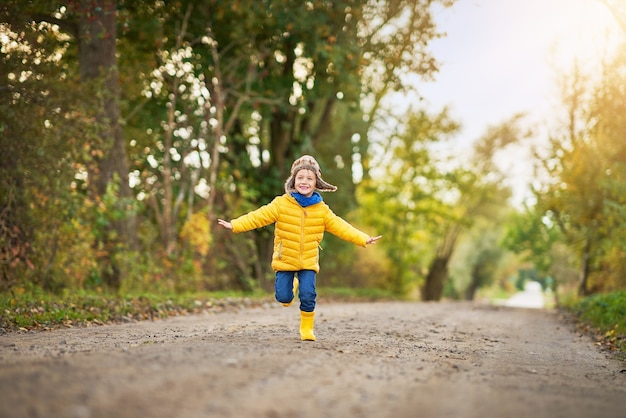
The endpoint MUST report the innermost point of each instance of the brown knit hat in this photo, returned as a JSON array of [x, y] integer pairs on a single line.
[[307, 162]]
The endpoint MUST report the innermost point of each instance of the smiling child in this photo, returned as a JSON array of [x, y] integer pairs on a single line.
[[301, 218]]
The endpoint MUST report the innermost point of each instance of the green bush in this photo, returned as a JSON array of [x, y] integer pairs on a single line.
[[607, 314]]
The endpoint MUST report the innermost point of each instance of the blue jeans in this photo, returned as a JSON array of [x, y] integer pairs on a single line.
[[306, 290]]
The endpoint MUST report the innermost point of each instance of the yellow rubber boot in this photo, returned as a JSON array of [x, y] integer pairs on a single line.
[[296, 283], [307, 320]]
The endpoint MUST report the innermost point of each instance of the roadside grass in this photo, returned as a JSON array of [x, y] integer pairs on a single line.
[[37, 310], [604, 315], [33, 309]]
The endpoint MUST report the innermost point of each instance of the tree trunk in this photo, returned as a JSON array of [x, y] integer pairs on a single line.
[[470, 292], [438, 271], [98, 62], [437, 275], [583, 289]]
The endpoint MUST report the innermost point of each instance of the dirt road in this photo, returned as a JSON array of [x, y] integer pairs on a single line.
[[369, 360]]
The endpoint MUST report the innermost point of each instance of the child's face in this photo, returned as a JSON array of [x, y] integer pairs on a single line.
[[305, 182]]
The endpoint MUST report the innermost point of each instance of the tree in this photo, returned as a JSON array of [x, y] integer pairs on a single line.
[[586, 164], [429, 200], [609, 107], [96, 35], [91, 25], [217, 98], [407, 200], [479, 192], [309, 59], [534, 235], [46, 143], [486, 263], [477, 198]]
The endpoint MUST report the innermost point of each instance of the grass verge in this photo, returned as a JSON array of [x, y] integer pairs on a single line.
[[604, 316], [27, 310], [43, 311]]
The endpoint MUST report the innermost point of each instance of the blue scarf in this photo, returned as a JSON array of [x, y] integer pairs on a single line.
[[307, 201]]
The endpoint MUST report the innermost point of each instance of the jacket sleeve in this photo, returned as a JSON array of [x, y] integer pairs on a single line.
[[344, 230], [263, 216]]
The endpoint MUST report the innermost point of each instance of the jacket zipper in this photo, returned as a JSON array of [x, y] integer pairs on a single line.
[[302, 237]]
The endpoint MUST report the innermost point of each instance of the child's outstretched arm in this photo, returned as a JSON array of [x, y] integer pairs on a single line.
[[225, 224], [372, 240]]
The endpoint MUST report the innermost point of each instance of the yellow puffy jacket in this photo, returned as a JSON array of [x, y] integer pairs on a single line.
[[298, 232]]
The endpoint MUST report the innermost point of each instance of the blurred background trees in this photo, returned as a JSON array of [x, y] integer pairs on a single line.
[[127, 128]]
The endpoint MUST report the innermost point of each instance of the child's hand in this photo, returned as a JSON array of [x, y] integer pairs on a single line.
[[225, 224], [372, 240]]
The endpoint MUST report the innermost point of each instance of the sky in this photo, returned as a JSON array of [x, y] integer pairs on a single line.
[[503, 57]]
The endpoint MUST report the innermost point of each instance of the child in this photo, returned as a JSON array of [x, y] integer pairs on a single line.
[[301, 218]]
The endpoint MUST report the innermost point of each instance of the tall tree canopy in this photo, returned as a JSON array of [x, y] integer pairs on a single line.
[[158, 115], [586, 168], [71, 44]]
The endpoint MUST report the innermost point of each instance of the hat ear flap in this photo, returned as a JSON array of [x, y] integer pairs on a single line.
[[322, 186], [290, 185]]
